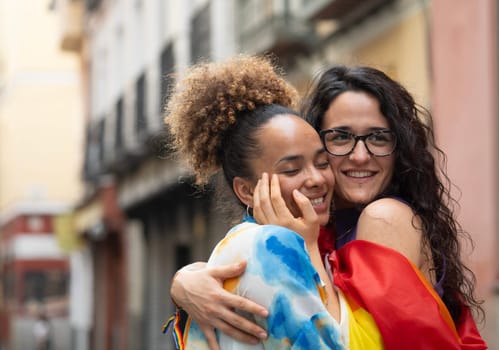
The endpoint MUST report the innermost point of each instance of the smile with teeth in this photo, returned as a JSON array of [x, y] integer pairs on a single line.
[[317, 201], [359, 174]]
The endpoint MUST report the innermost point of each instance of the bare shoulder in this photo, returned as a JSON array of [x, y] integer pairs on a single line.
[[386, 207], [392, 223]]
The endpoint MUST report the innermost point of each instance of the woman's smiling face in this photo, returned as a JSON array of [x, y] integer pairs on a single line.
[[292, 149], [359, 176]]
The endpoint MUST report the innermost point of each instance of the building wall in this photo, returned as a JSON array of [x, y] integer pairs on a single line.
[[402, 51], [34, 277], [393, 39], [40, 111], [465, 108]]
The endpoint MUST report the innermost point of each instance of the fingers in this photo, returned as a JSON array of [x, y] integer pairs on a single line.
[[232, 323], [278, 203], [210, 336], [307, 210], [227, 329], [263, 210], [246, 305], [238, 334], [211, 306], [227, 271], [258, 213], [227, 302], [235, 325]]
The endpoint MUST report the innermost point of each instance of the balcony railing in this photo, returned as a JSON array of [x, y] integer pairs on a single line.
[[340, 10], [290, 27], [273, 26]]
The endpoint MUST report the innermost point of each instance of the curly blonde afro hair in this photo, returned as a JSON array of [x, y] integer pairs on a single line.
[[212, 97]]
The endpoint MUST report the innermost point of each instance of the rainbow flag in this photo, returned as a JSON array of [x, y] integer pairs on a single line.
[[383, 286]]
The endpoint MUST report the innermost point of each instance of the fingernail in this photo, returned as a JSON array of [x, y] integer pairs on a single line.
[[262, 335]]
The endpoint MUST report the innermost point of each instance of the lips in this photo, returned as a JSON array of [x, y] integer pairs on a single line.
[[319, 204], [317, 201], [359, 174], [321, 207]]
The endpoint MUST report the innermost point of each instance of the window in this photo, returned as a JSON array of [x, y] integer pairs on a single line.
[[42, 285], [140, 105], [167, 66], [94, 155], [92, 5], [100, 139], [119, 124], [200, 35]]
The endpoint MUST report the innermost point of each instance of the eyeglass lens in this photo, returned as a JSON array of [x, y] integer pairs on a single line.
[[378, 143]]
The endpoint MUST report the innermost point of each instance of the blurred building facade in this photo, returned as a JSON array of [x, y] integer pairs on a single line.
[[140, 217], [40, 157]]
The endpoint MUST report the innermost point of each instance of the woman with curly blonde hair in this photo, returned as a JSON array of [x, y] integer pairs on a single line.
[[236, 118]]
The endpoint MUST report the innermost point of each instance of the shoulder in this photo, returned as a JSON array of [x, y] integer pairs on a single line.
[[392, 223], [275, 257], [247, 239], [255, 233], [391, 212], [277, 242], [388, 207]]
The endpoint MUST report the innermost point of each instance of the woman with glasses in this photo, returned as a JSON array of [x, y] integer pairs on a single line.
[[394, 247], [388, 191]]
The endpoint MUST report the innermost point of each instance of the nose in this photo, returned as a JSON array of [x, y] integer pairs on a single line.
[[360, 153], [314, 177]]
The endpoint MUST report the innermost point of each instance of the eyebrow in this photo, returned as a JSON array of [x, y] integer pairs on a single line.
[[294, 157], [288, 159], [371, 129]]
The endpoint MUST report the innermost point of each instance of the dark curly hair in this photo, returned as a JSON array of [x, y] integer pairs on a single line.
[[416, 177], [215, 111]]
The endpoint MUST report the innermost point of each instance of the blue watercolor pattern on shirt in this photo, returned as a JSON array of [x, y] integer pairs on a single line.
[[280, 276]]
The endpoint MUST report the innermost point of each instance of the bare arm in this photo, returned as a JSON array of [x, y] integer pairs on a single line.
[[198, 290], [393, 224]]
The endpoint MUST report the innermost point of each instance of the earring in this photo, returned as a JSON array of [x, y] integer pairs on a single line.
[[248, 210]]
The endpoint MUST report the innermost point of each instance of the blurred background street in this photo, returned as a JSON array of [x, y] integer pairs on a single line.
[[95, 213]]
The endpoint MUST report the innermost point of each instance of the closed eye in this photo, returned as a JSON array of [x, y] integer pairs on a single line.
[[290, 172], [322, 165]]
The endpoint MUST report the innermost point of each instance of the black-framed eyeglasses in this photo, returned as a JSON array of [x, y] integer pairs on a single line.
[[339, 142]]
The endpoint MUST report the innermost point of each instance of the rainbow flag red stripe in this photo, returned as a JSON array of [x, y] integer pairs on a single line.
[[408, 312]]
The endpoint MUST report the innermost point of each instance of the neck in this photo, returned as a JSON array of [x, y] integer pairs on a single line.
[[327, 292]]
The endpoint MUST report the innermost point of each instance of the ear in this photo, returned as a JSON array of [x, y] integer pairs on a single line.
[[243, 188]]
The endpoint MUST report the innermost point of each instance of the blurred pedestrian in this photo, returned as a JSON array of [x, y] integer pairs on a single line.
[[42, 332]]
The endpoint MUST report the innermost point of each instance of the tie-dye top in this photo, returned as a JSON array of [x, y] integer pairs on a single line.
[[280, 276]]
